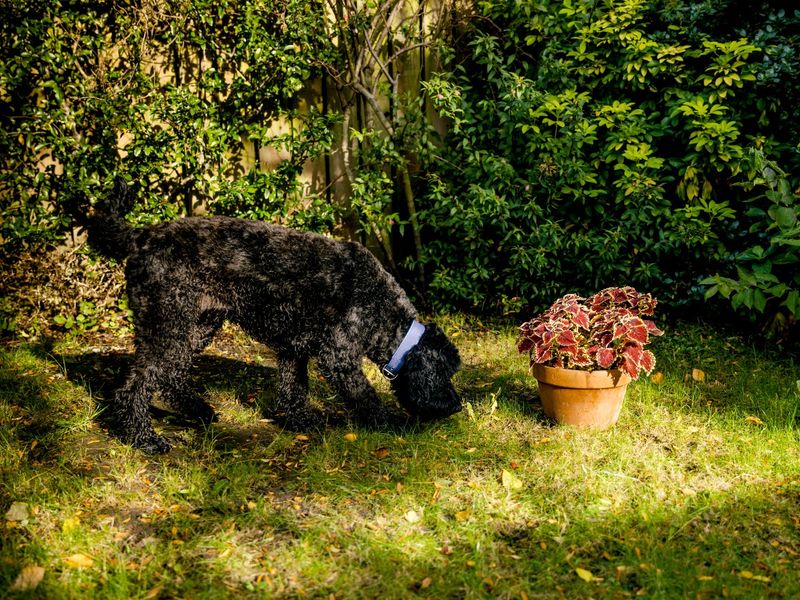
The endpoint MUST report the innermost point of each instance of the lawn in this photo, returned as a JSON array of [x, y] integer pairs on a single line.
[[695, 492]]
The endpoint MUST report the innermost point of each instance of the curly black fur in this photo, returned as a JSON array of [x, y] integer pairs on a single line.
[[302, 294]]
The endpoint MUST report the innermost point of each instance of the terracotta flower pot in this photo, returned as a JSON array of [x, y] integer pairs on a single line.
[[586, 399]]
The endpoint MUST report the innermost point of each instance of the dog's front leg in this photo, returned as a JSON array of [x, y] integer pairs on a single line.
[[352, 386], [292, 406]]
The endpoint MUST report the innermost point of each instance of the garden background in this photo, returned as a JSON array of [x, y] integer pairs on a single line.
[[494, 156]]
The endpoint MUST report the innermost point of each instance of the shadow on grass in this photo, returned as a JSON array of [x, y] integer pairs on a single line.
[[227, 382], [43, 391]]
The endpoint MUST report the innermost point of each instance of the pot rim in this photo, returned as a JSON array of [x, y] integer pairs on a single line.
[[574, 378]]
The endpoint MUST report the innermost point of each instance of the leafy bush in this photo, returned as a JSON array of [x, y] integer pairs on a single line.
[[597, 143], [767, 271], [167, 92]]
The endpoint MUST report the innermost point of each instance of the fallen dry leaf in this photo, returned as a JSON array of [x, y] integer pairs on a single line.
[[437, 492], [350, 437], [79, 561], [698, 375], [17, 512], [412, 516], [426, 583], [301, 437], [28, 579], [753, 420], [510, 481], [657, 377], [462, 515], [584, 574], [381, 452]]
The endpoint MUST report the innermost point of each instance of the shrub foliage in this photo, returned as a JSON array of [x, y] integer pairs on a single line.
[[594, 143], [167, 93], [590, 144]]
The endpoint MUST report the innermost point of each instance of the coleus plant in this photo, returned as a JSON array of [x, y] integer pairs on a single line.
[[605, 331]]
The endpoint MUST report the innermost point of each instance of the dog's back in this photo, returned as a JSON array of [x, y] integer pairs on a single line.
[[277, 283]]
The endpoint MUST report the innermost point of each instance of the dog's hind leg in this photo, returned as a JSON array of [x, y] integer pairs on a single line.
[[131, 407], [179, 392]]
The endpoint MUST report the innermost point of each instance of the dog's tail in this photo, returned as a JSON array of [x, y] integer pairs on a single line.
[[109, 232]]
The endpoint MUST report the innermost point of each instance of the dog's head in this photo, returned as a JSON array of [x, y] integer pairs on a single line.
[[423, 386]]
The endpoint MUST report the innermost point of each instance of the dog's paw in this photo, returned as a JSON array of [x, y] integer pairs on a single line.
[[151, 443], [306, 420], [377, 417]]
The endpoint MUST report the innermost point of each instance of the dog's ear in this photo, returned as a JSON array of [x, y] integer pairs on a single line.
[[435, 339]]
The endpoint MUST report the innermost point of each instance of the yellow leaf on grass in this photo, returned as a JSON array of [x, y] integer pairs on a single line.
[[426, 583], [510, 481], [753, 420], [462, 515], [381, 452], [584, 574], [301, 437], [79, 561], [70, 524], [28, 579], [698, 375], [350, 437], [437, 492], [750, 575], [155, 592], [657, 377]]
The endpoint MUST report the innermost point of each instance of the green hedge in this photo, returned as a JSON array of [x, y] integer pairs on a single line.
[[169, 94], [633, 142], [611, 143]]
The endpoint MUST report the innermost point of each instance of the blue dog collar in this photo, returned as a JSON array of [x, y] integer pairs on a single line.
[[392, 368]]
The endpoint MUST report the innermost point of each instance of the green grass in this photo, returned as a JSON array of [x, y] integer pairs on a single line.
[[695, 492]]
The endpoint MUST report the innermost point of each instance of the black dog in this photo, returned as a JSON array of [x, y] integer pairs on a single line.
[[302, 294]]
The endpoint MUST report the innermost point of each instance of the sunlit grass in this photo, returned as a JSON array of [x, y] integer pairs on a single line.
[[695, 491]]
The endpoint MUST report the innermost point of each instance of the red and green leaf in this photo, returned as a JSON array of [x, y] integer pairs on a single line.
[[604, 331]]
